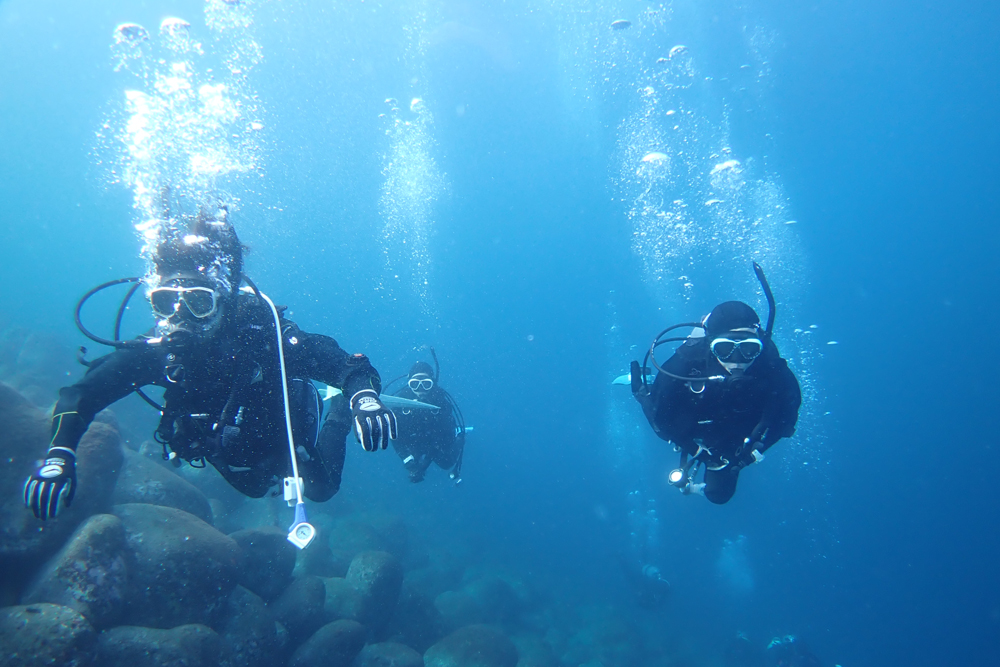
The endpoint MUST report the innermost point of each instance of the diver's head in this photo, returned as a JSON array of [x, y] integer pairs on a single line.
[[734, 336], [193, 283], [421, 378]]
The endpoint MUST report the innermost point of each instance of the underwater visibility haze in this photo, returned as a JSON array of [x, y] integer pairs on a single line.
[[526, 192]]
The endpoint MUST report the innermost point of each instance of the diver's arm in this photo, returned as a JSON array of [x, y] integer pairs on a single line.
[[782, 410], [109, 379], [320, 357], [52, 485]]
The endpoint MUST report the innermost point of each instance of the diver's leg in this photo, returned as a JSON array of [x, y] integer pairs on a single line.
[[720, 485], [446, 456], [322, 472], [253, 482]]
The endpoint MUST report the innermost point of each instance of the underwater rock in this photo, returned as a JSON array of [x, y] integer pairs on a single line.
[[440, 576], [333, 645], [45, 634], [378, 577], [23, 542], [488, 599], [36, 364], [300, 608], [532, 651], [99, 458], [143, 481], [186, 645], [184, 568], [388, 654], [90, 574], [342, 599], [320, 560], [376, 532], [249, 631], [416, 621], [268, 560], [26, 543], [604, 636], [473, 646]]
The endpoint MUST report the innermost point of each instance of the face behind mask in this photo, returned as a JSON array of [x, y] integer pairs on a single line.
[[187, 306], [736, 350]]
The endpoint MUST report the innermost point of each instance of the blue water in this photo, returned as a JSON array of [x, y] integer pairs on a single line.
[[872, 534]]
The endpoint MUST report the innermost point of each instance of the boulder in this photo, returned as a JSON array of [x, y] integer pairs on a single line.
[[45, 634], [184, 568], [249, 631], [473, 646], [378, 577], [268, 560], [369, 532], [388, 654], [319, 559], [300, 608], [488, 599], [532, 651], [416, 621], [183, 646], [90, 574], [99, 459], [26, 543], [333, 645], [143, 481], [342, 600]]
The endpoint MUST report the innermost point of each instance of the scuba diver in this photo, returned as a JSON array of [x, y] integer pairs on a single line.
[[648, 586], [788, 651], [723, 398], [426, 436], [236, 379], [645, 580]]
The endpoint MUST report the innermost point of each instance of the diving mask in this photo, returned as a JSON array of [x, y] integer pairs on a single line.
[[737, 351], [421, 384], [201, 302]]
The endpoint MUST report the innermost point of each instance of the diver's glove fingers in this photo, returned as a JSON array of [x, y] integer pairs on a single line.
[[363, 431], [374, 424], [52, 486], [388, 427]]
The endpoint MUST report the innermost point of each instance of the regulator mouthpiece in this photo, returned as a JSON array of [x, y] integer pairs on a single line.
[[302, 533]]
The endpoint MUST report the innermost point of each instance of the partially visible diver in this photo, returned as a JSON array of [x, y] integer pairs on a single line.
[[429, 436], [214, 352], [723, 398], [789, 651], [646, 581], [741, 652], [786, 651]]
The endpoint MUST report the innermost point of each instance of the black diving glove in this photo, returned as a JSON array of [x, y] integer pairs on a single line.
[[374, 423], [52, 485], [638, 381]]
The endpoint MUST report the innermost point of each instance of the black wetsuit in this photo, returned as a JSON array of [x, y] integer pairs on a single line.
[[233, 380], [429, 436], [762, 405]]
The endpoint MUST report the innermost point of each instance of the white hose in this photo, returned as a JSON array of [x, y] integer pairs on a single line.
[[284, 392]]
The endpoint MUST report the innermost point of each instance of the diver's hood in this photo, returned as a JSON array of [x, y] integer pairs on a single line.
[[422, 367], [730, 316]]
